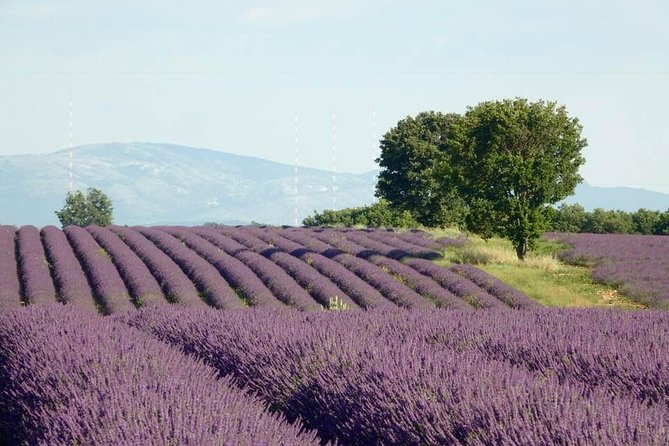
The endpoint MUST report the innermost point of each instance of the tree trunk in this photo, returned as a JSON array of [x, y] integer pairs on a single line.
[[521, 249]]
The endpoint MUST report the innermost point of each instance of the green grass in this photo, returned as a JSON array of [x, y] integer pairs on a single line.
[[541, 276]]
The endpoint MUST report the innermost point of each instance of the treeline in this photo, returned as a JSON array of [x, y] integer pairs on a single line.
[[574, 218], [565, 218], [377, 215]]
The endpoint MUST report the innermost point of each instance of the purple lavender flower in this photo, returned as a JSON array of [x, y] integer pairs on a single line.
[[215, 290], [142, 285], [175, 284], [70, 280], [108, 288], [10, 289], [68, 377]]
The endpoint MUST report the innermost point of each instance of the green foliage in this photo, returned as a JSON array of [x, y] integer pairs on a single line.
[[662, 225], [568, 218], [509, 159], [645, 221], [601, 221], [377, 215], [411, 153], [574, 218], [94, 208]]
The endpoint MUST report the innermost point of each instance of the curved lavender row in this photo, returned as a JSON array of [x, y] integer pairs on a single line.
[[10, 288], [243, 236], [395, 388], [139, 280], [316, 284], [108, 288], [214, 288], [67, 377], [33, 267], [341, 240], [462, 287], [274, 277], [354, 287], [240, 276], [389, 286], [423, 285], [494, 286], [367, 243], [421, 238], [176, 285], [410, 248], [70, 280]]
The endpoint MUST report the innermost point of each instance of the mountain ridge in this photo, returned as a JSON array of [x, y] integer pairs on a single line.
[[162, 183]]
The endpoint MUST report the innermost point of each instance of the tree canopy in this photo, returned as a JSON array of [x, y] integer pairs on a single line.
[[410, 154], [376, 215], [513, 158], [94, 208], [497, 167]]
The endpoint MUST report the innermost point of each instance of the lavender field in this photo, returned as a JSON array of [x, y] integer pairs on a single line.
[[119, 269], [637, 264], [170, 374], [229, 336]]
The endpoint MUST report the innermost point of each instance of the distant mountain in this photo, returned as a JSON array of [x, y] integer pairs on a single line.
[[623, 198], [170, 184]]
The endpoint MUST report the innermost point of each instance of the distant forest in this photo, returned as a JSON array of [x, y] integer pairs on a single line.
[[565, 218]]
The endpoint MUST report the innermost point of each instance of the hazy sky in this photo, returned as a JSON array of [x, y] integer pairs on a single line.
[[232, 75]]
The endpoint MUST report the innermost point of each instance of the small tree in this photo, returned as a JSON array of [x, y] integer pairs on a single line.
[[512, 159], [94, 208]]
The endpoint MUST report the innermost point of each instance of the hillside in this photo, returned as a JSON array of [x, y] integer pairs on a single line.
[[624, 198], [170, 184]]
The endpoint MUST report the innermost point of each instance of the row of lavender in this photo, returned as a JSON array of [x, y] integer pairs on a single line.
[[68, 377], [116, 269], [539, 377], [638, 264]]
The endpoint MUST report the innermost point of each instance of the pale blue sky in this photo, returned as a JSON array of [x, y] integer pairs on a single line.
[[231, 75]]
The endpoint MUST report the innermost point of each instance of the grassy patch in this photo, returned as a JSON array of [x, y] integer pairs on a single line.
[[541, 276]]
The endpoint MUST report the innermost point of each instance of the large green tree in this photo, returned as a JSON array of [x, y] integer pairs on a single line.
[[511, 159], [410, 155], [94, 208]]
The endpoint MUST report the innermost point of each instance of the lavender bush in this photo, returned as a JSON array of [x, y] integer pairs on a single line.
[[277, 280], [119, 268], [142, 285], [319, 286], [413, 250], [384, 257], [391, 288], [70, 280], [638, 264], [67, 377], [211, 285], [240, 276], [497, 288], [357, 289], [34, 272], [108, 288], [175, 284], [459, 285], [434, 377], [10, 288]]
